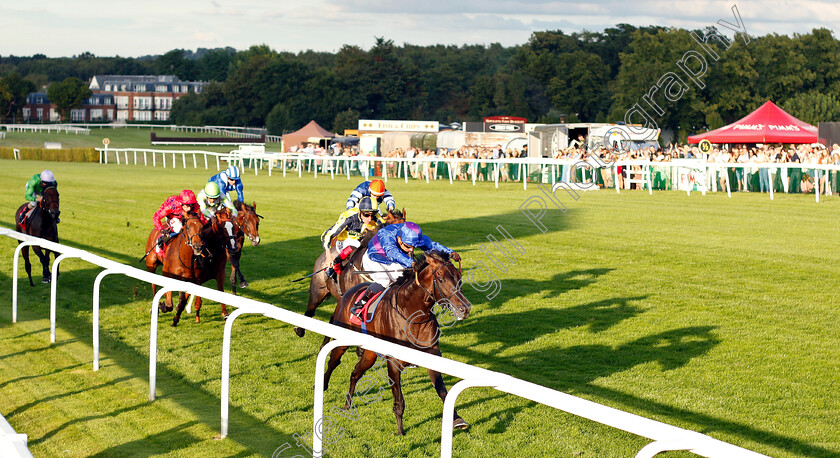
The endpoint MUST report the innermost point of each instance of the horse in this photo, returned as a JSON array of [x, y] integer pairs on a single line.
[[401, 318], [321, 286], [247, 224], [41, 223], [196, 255]]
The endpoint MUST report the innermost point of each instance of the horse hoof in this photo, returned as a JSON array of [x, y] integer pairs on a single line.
[[244, 284], [459, 423], [175, 325], [300, 332], [46, 280]]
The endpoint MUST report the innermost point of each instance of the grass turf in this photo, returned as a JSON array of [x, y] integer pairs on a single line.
[[708, 313]]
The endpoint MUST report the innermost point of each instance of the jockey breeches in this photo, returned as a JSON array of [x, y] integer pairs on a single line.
[[384, 274], [342, 244], [175, 225]]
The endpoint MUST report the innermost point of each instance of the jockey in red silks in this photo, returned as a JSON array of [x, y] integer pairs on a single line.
[[173, 210]]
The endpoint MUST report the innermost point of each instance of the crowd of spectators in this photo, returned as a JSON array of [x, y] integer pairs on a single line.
[[761, 164]]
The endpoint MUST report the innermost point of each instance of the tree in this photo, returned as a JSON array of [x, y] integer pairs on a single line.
[[813, 107], [68, 94], [175, 63], [13, 92], [347, 119]]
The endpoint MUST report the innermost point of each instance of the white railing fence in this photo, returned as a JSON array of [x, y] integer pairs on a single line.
[[543, 170], [12, 444], [664, 437]]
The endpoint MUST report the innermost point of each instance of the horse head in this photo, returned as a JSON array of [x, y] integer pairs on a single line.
[[192, 227], [223, 228], [395, 216], [442, 281], [249, 221], [49, 202]]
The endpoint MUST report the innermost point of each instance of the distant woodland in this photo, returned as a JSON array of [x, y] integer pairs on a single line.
[[587, 76]]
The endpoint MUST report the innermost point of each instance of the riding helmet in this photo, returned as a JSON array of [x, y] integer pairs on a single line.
[[211, 190]]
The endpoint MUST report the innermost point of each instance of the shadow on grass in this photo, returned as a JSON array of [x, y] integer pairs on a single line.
[[244, 428], [161, 443], [532, 324]]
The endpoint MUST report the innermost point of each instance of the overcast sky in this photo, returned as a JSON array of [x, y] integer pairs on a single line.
[[59, 28]]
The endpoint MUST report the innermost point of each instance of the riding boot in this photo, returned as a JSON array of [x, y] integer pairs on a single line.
[[164, 239], [372, 290], [334, 271]]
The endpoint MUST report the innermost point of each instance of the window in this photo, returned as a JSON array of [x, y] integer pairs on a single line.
[[40, 113], [26, 113], [77, 115], [107, 87], [96, 115]]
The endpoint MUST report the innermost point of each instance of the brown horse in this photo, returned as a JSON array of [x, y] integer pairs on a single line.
[[247, 224], [196, 255], [404, 316], [321, 286], [41, 223]]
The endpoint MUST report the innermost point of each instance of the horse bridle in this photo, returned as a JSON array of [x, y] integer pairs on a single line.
[[189, 237], [241, 229]]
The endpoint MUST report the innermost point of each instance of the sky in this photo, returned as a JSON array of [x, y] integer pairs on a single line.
[[64, 28]]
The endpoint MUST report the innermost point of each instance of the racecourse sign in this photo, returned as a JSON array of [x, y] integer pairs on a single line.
[[397, 126]]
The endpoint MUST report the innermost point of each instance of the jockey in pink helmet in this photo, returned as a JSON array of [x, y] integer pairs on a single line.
[[173, 210]]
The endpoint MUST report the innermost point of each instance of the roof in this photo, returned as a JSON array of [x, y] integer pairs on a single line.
[[767, 124], [305, 133]]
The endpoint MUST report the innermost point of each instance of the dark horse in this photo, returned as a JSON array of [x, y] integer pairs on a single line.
[[405, 317], [247, 223], [196, 255], [41, 223], [321, 286]]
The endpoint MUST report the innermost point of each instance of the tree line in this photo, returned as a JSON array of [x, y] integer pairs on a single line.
[[582, 76]]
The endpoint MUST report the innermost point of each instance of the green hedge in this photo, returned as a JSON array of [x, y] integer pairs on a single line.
[[59, 155]]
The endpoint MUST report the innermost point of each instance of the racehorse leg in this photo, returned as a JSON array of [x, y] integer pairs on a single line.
[[318, 292], [233, 267], [197, 305], [335, 360], [394, 372], [166, 306], [238, 272], [440, 387], [220, 285], [44, 256], [364, 363], [26, 264], [182, 302]]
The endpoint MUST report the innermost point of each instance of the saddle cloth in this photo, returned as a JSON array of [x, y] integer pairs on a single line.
[[368, 309]]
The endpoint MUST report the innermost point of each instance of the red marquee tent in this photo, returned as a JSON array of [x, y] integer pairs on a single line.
[[311, 130], [767, 124]]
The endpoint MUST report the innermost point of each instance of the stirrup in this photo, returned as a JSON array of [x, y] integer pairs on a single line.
[[356, 309]]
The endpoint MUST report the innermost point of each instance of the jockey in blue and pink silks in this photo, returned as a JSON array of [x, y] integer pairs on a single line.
[[389, 252]]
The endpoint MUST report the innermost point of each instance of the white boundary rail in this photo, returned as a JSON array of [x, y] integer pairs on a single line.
[[665, 437], [12, 444]]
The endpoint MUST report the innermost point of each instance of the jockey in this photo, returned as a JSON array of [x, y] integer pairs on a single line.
[[173, 210], [392, 250], [35, 190], [375, 188], [347, 231], [210, 200], [228, 181]]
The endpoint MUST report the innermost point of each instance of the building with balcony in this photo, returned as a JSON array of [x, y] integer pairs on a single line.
[[125, 98]]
